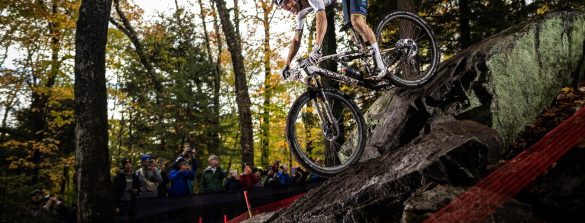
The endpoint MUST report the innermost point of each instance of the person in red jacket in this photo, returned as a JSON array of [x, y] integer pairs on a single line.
[[248, 180]]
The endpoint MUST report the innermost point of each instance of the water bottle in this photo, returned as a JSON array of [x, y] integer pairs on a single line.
[[351, 72]]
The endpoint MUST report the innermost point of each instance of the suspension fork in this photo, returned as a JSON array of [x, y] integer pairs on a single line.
[[325, 112]]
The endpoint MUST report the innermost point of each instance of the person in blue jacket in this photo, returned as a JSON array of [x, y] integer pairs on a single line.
[[179, 177]]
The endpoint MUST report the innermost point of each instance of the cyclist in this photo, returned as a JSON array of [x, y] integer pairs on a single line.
[[354, 11]]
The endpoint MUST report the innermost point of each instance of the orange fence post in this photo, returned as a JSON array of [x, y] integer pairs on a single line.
[[248, 203]]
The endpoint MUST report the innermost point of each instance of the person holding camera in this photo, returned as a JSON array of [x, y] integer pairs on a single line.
[[126, 187], [248, 179], [188, 155], [149, 176], [180, 177], [48, 208]]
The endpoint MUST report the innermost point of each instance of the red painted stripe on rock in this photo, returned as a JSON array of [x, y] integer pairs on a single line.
[[493, 191]]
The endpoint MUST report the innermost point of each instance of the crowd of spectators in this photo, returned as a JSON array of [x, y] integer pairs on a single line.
[[151, 180]]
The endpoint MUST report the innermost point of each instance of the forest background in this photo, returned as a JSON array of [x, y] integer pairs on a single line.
[[171, 80]]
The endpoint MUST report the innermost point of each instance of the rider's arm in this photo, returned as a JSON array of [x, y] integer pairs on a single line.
[[294, 46], [319, 7]]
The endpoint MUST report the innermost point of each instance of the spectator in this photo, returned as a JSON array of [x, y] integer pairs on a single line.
[[271, 178], [212, 176], [297, 175], [163, 188], [258, 174], [35, 203], [126, 187], [48, 208], [179, 176], [248, 180], [189, 154], [232, 183], [283, 176], [149, 176]]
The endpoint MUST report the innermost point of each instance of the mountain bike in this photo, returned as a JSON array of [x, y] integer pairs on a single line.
[[325, 129]]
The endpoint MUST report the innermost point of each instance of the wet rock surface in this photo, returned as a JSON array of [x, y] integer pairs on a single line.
[[431, 199], [416, 140], [374, 191]]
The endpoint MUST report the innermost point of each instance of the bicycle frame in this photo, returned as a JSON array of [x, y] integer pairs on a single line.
[[374, 85], [345, 57]]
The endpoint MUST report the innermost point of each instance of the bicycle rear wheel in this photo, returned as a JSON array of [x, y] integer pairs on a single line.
[[408, 47], [321, 147]]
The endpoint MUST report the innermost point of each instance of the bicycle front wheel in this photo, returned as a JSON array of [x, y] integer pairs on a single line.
[[321, 145], [408, 47]]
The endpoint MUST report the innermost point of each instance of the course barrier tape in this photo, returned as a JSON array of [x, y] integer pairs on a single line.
[[267, 208], [483, 199]]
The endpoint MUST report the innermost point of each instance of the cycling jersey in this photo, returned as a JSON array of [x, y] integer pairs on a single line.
[[314, 5]]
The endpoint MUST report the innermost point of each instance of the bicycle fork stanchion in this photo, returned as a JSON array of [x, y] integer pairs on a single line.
[[328, 118], [325, 119]]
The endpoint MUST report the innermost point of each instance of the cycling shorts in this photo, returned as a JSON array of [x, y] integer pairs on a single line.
[[351, 7]]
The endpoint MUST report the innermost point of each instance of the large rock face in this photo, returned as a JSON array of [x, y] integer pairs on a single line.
[[503, 82], [374, 191], [525, 67], [415, 140]]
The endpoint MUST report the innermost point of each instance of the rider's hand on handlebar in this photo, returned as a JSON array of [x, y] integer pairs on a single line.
[[313, 56], [285, 72]]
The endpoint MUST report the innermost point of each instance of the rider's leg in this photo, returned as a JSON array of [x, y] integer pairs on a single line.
[[359, 23], [357, 9]]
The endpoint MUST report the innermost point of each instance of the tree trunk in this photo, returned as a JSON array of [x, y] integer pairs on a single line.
[[409, 6], [94, 189], [267, 7], [237, 20], [127, 29], [217, 80], [330, 47], [213, 132], [242, 96], [42, 93], [464, 29]]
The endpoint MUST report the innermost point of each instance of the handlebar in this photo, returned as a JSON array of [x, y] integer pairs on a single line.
[[296, 73]]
